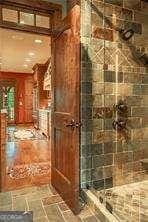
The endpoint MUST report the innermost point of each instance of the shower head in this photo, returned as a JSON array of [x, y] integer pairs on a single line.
[[126, 34]]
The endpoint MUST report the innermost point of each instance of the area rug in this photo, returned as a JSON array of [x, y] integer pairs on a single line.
[[24, 134], [16, 134], [28, 170]]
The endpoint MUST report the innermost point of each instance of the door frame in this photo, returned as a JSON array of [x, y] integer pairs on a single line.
[[35, 7], [58, 26]]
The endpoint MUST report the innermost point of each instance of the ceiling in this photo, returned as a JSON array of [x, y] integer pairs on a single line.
[[20, 51]]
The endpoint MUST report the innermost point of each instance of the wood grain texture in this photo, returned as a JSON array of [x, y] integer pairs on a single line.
[[72, 3], [34, 4], [65, 83], [39, 72], [23, 97]]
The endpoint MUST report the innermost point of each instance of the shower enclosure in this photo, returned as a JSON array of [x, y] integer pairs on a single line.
[[114, 105]]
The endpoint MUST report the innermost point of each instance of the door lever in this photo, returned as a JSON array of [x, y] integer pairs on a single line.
[[78, 125], [72, 124]]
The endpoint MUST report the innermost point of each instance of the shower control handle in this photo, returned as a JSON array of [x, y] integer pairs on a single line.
[[119, 124]]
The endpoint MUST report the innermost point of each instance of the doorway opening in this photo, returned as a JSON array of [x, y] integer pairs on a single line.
[[25, 87], [8, 100]]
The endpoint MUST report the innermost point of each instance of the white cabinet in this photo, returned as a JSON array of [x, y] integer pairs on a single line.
[[45, 121]]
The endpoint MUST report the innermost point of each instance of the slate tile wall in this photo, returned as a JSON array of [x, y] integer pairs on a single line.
[[109, 72]]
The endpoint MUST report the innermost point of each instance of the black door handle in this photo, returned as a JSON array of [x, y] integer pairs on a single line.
[[119, 124], [78, 125], [74, 124]]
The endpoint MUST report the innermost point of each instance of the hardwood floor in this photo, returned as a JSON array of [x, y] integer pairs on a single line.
[[27, 161]]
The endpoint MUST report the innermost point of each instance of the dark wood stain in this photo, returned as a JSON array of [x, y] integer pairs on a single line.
[[34, 4]]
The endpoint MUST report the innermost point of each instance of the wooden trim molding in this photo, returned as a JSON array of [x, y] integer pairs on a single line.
[[36, 7], [26, 28]]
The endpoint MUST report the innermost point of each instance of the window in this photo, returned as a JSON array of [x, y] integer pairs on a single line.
[[10, 15], [42, 21], [26, 18]]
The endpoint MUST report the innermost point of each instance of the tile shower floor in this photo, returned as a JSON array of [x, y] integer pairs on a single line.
[[46, 204], [129, 202]]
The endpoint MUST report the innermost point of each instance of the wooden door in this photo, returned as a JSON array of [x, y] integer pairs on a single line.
[[65, 124]]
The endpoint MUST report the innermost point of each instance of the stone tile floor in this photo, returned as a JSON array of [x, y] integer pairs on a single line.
[[46, 204], [129, 202]]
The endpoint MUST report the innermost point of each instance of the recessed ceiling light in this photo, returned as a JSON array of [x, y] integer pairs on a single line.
[[31, 53], [38, 41], [25, 65], [27, 60], [16, 37]]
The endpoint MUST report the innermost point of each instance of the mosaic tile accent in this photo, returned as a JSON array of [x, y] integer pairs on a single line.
[[28, 170]]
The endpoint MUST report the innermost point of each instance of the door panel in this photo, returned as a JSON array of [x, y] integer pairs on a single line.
[[65, 137], [29, 100]]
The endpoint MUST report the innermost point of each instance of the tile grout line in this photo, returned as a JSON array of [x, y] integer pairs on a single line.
[[44, 210], [12, 205], [61, 213], [27, 203], [94, 214], [54, 203], [43, 206], [49, 189]]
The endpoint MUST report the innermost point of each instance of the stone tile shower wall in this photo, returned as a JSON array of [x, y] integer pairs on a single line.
[[110, 73]]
